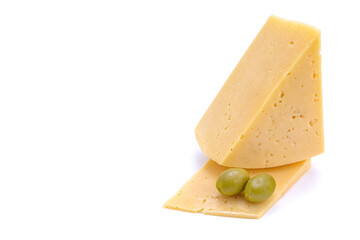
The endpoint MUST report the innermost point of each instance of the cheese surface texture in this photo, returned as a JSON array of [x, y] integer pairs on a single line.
[[199, 194], [269, 111]]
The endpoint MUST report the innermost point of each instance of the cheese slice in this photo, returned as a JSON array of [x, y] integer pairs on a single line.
[[269, 111], [199, 194]]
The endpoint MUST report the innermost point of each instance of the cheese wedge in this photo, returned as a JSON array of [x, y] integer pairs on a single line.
[[199, 194], [269, 111]]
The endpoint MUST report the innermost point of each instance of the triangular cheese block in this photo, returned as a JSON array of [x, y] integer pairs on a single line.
[[199, 194], [269, 111]]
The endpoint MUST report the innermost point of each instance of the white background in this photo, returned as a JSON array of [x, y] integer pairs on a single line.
[[98, 105]]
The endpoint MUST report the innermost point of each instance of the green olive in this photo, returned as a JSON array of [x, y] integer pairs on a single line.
[[232, 181], [259, 188]]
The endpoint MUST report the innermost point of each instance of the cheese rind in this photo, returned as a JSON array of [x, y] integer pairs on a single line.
[[199, 194], [252, 114]]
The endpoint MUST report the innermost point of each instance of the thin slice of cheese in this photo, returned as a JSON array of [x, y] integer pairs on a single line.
[[199, 194], [269, 111]]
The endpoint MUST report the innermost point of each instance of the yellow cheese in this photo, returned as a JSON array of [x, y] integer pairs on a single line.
[[269, 111], [199, 194]]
